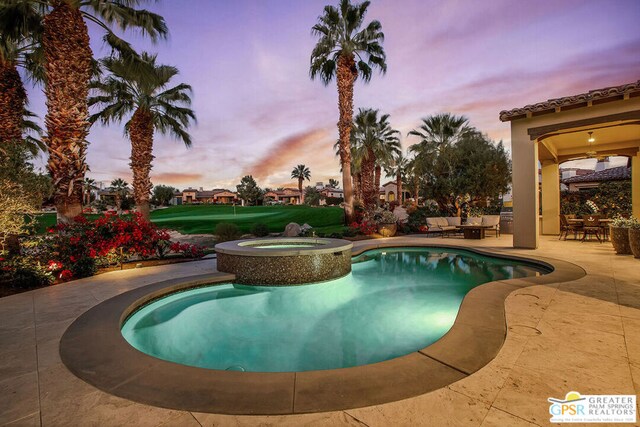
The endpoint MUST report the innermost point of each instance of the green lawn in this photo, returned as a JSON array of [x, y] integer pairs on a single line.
[[204, 218]]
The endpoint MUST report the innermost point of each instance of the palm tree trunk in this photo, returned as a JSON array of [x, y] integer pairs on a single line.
[[377, 183], [368, 182], [346, 76], [12, 101], [300, 190], [141, 134], [67, 69], [400, 196], [357, 187]]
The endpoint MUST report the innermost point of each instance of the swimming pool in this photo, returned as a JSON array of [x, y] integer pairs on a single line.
[[394, 302]]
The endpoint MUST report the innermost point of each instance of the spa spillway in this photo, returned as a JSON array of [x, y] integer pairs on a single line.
[[285, 261]]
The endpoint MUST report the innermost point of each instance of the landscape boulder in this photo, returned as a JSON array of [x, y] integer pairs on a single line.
[[292, 230]]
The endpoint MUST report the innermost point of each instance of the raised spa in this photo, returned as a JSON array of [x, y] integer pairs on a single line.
[[394, 302], [285, 261]]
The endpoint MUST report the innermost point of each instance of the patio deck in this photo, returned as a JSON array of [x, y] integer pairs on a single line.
[[582, 335]]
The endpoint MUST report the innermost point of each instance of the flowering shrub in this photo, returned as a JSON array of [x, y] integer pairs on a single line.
[[366, 227], [72, 251], [187, 250]]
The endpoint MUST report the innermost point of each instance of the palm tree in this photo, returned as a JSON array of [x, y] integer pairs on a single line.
[[120, 187], [437, 134], [20, 33], [374, 142], [301, 172], [88, 185], [67, 59], [346, 50], [397, 169], [139, 87], [439, 131], [333, 183]]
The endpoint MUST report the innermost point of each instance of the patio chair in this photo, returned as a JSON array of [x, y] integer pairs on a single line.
[[566, 227], [591, 227]]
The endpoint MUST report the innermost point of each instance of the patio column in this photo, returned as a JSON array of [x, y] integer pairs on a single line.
[[524, 154], [550, 197], [635, 185]]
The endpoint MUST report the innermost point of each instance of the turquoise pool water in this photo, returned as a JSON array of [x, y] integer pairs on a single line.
[[394, 302]]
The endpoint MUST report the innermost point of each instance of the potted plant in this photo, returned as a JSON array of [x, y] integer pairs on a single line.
[[634, 236], [387, 223], [619, 230]]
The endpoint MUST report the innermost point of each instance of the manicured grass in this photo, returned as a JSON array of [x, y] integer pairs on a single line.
[[202, 219]]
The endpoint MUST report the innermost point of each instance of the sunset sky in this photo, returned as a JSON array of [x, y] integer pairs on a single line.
[[259, 113]]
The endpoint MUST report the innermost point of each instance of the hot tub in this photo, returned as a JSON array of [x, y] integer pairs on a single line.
[[285, 261]]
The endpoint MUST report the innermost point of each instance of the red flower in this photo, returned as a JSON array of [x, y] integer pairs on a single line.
[[65, 275]]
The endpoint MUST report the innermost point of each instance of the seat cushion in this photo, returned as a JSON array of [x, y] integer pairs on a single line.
[[491, 220], [442, 221], [432, 223], [448, 227], [453, 220], [474, 220]]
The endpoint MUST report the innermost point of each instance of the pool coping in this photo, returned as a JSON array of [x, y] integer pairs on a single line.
[[94, 350]]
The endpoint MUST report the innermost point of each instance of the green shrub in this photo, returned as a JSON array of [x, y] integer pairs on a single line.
[[260, 229], [24, 272], [349, 232], [227, 231]]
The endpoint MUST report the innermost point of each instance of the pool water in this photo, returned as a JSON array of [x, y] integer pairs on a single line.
[[394, 302]]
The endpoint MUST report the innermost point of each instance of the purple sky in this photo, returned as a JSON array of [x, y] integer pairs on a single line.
[[259, 113]]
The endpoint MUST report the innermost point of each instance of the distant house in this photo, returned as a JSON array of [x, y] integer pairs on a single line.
[[593, 179], [287, 196], [201, 196], [332, 192], [389, 192]]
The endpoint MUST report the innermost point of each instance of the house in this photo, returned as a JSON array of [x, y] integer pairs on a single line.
[[389, 192], [592, 180], [201, 196], [287, 196], [332, 192]]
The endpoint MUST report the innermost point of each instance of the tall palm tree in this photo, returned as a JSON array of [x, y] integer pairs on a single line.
[[301, 172], [138, 90], [397, 169], [67, 59], [346, 50], [375, 142], [120, 187], [88, 185]]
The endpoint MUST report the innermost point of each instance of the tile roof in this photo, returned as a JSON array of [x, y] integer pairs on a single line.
[[620, 173], [595, 96]]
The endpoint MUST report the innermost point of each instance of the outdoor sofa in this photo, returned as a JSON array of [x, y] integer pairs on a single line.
[[450, 224]]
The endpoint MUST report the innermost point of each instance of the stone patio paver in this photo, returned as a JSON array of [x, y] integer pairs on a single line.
[[582, 335]]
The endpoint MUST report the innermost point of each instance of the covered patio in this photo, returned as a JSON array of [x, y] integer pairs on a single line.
[[599, 123]]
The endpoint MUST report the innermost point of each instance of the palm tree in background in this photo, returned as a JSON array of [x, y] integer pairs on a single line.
[[345, 50], [88, 185], [139, 88], [333, 183], [67, 69], [120, 187], [301, 172], [374, 142], [437, 133], [20, 35], [397, 169]]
